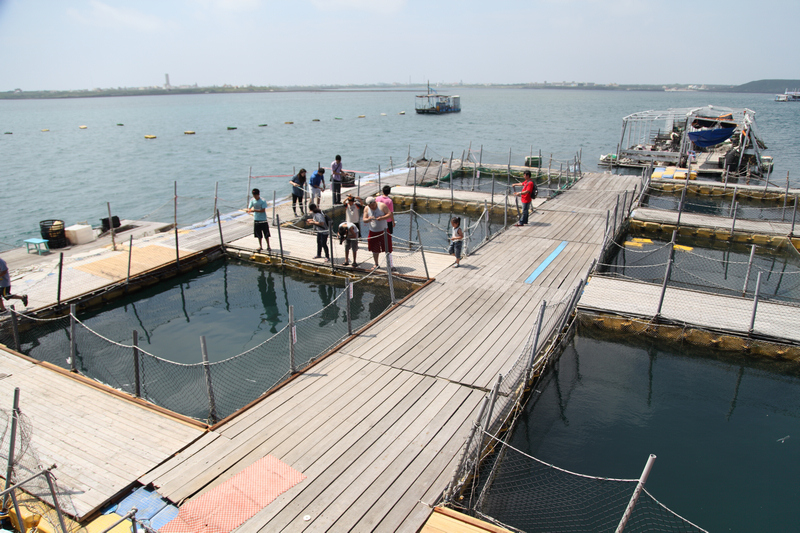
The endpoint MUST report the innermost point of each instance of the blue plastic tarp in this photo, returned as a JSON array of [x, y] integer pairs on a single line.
[[706, 138]]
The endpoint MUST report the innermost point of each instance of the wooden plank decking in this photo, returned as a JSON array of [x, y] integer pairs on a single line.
[[710, 311], [761, 227], [98, 440], [377, 427]]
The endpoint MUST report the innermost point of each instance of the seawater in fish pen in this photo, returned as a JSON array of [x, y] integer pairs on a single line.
[[707, 265], [241, 309], [720, 424]]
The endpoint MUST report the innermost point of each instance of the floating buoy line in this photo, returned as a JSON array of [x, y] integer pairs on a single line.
[[149, 136]]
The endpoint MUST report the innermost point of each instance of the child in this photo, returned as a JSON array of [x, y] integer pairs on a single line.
[[456, 239], [348, 231], [322, 222]]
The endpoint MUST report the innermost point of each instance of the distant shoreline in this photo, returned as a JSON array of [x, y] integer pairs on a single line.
[[759, 87]]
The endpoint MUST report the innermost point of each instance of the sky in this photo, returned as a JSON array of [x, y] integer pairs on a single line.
[[86, 44]]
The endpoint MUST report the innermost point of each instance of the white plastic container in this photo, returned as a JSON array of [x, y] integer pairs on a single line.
[[79, 234]]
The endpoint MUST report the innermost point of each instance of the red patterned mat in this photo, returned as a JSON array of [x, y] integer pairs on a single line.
[[229, 505]]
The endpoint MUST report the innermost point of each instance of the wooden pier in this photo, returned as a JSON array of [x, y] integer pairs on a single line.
[[374, 430]]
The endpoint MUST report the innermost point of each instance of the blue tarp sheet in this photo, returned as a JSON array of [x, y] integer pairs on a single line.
[[706, 138]]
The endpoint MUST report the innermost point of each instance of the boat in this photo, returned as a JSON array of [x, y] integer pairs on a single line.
[[434, 103], [710, 137], [788, 96]]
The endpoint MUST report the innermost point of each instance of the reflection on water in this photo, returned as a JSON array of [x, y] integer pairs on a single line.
[[717, 423]]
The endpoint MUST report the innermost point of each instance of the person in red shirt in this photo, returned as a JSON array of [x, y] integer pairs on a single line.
[[527, 194]]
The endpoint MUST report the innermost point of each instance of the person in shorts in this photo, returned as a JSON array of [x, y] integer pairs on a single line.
[[387, 201], [456, 239], [5, 287], [317, 183], [378, 240], [258, 206], [348, 233]]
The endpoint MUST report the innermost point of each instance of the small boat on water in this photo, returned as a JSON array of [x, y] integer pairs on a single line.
[[434, 103], [788, 96], [712, 138]]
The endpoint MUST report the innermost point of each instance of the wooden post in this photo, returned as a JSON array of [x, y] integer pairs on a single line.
[[111, 227], [422, 251], [280, 239], [15, 329], [216, 191], [785, 198], [348, 289], [212, 405], [749, 268], [137, 384], [175, 220], [755, 304], [292, 340], [535, 347], [389, 266], [73, 343], [60, 273], [12, 445], [219, 225], [635, 496], [249, 178], [130, 253]]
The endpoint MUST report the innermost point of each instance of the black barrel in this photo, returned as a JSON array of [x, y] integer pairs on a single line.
[[53, 231]]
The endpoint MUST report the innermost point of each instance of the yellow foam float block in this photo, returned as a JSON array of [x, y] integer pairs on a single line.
[[83, 127], [45, 129], [652, 226], [779, 240], [101, 523], [682, 248], [633, 243], [722, 234], [657, 175], [188, 132], [669, 228], [761, 239], [289, 122], [29, 517], [640, 239], [149, 136], [705, 232]]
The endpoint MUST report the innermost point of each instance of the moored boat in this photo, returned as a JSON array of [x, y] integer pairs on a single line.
[[434, 103]]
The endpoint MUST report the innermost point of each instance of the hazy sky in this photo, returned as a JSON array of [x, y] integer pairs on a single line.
[[81, 44]]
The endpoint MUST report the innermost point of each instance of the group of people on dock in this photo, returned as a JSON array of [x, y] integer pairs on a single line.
[[316, 184]]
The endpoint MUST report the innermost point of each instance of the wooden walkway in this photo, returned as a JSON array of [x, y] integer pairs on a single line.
[[100, 441], [705, 310], [760, 227], [377, 427]]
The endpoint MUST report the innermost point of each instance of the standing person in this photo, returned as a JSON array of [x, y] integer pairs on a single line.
[[298, 184], [384, 199], [322, 223], [317, 182], [348, 231], [352, 211], [456, 239], [378, 240], [258, 206], [5, 287], [527, 194], [336, 180]]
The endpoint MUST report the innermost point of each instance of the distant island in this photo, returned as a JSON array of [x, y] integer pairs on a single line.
[[760, 86]]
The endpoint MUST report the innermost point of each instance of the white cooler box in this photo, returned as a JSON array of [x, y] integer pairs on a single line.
[[79, 234]]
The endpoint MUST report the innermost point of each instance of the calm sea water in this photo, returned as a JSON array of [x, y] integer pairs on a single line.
[[716, 423], [69, 174]]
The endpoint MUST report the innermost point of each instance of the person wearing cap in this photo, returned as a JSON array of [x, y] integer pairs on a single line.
[[336, 180], [317, 182], [298, 184], [527, 195], [378, 239], [352, 211]]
